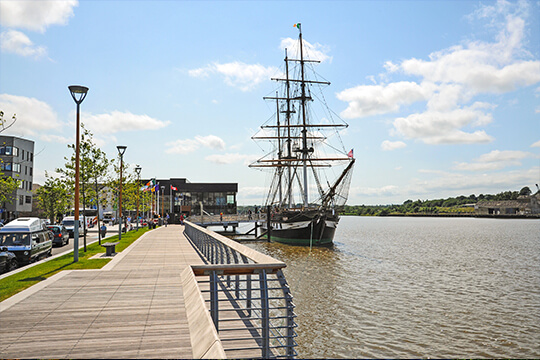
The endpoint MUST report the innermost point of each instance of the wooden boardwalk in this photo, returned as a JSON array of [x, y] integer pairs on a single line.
[[143, 304]]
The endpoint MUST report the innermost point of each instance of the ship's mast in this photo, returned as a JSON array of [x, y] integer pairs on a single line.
[[289, 140], [280, 154], [294, 158], [304, 128]]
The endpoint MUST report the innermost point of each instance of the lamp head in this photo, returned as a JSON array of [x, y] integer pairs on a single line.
[[138, 170], [121, 149], [78, 93]]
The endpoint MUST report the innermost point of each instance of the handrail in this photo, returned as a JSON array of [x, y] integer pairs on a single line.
[[247, 294]]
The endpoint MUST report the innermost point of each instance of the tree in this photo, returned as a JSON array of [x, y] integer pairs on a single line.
[[525, 191], [53, 198], [92, 164], [4, 123], [8, 185]]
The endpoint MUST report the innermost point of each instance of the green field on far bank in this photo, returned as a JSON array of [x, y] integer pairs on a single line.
[[20, 281]]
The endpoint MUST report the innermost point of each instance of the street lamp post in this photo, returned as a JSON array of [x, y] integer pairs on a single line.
[[78, 93], [121, 151], [138, 171], [163, 203]]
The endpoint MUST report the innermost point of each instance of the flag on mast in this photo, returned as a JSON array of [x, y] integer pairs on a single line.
[[351, 153]]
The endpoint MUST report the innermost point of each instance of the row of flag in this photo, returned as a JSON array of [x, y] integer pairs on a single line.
[[154, 187]]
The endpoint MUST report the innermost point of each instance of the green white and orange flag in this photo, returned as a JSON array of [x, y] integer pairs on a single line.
[[297, 26]]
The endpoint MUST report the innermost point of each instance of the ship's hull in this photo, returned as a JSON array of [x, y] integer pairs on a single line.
[[318, 231]]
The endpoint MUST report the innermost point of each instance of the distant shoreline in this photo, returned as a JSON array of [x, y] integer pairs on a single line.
[[527, 216]]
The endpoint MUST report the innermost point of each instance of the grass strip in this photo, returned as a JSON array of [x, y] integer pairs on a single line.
[[18, 282]]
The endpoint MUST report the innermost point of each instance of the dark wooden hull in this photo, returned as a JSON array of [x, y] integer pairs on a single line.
[[317, 231]]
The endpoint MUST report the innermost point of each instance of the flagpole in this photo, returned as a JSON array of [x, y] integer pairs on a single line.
[[170, 196]]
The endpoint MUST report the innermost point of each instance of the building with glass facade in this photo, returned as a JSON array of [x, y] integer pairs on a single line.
[[179, 196]]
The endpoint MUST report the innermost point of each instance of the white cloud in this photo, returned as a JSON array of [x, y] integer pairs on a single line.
[[187, 146], [436, 127], [536, 144], [366, 100], [311, 51], [238, 74], [231, 158], [387, 145], [387, 190], [494, 160], [118, 121], [36, 15], [16, 42], [57, 139], [475, 183], [33, 116], [450, 79], [211, 141]]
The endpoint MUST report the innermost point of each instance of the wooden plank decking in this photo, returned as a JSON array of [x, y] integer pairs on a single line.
[[135, 307]]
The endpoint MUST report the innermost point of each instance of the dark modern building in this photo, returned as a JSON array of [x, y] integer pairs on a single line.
[[186, 197], [17, 161]]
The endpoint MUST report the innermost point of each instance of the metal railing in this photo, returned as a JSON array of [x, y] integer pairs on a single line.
[[249, 299]]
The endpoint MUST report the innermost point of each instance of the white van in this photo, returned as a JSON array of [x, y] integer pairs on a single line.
[[28, 238], [69, 224]]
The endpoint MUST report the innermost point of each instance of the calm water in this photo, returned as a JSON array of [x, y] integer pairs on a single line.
[[418, 287]]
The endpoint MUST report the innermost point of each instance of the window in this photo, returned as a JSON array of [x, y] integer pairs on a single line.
[[26, 170], [31, 157], [8, 166], [22, 154], [9, 150], [28, 199], [30, 171], [21, 199], [21, 184]]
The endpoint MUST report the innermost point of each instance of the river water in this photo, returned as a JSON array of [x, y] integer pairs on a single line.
[[400, 287]]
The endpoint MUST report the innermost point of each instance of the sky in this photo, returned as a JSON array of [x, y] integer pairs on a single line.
[[442, 98]]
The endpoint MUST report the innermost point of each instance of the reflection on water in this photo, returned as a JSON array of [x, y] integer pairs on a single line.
[[418, 287]]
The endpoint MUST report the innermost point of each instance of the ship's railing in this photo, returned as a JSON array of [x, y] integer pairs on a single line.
[[249, 299], [212, 219]]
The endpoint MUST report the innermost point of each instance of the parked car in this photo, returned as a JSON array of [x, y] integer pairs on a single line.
[[69, 223], [8, 260], [28, 238], [60, 234]]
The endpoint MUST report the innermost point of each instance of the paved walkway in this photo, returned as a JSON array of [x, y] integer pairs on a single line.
[[132, 308]]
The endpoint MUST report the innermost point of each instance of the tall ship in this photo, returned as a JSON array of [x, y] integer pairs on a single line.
[[309, 167]]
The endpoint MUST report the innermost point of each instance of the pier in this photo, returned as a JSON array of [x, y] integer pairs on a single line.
[[171, 294]]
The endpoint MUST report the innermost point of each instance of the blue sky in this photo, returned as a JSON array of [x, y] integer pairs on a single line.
[[442, 98]]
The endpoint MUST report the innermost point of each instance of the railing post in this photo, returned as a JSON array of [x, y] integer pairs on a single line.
[[214, 303], [290, 313], [248, 294], [265, 315]]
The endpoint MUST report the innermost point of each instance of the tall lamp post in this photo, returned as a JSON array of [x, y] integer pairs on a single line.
[[163, 203], [121, 151], [78, 93], [138, 171]]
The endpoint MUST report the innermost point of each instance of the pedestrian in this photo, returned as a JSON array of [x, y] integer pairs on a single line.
[[249, 214], [181, 219]]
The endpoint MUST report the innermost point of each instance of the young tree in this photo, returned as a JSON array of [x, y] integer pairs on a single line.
[[53, 198], [8, 185], [6, 124], [93, 164]]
